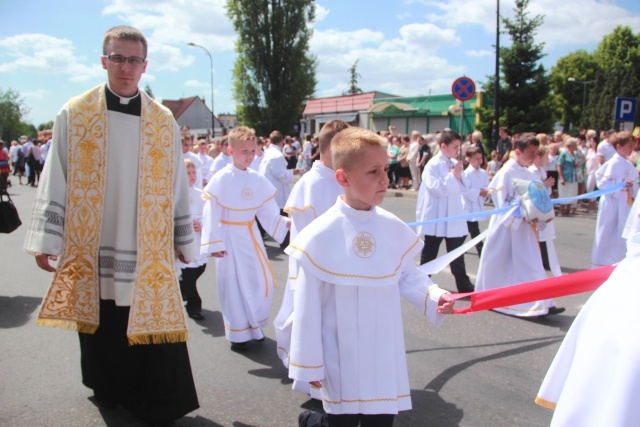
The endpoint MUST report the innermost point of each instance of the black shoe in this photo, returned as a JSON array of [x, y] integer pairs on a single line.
[[196, 316], [303, 418], [239, 346], [554, 310]]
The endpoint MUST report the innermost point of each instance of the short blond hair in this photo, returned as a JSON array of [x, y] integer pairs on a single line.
[[542, 138], [189, 164], [241, 133], [542, 151], [348, 146]]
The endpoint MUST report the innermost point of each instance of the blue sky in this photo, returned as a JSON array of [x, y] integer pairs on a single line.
[[50, 50]]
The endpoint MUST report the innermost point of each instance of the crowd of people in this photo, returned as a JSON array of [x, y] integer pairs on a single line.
[[26, 156], [129, 256]]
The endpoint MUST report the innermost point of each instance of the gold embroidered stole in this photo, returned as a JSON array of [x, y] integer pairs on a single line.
[[72, 301]]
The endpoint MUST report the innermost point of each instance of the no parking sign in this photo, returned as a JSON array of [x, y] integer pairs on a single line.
[[463, 89]]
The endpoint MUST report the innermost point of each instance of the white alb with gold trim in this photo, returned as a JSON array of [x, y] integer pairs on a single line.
[[511, 255], [314, 193], [347, 330], [244, 277]]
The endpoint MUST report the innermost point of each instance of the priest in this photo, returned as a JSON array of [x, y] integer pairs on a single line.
[[113, 211]]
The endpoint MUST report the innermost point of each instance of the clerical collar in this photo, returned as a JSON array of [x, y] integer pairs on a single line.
[[131, 106]]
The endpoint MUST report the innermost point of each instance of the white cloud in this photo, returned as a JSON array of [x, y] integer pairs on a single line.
[[178, 22], [402, 16], [198, 84], [321, 12], [479, 53], [35, 95], [44, 54], [565, 23], [404, 65], [569, 24]]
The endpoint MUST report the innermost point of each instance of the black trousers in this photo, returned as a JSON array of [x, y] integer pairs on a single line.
[[285, 242], [430, 252], [474, 230], [189, 289], [153, 381], [350, 420]]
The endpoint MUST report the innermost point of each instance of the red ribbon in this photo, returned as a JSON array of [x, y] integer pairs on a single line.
[[554, 287]]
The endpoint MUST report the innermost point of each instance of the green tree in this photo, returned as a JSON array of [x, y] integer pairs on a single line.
[[524, 94], [525, 104], [274, 72], [148, 91], [48, 125], [618, 56], [353, 81], [12, 110], [569, 80]]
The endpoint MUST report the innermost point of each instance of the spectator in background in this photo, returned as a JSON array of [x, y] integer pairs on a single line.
[[424, 153], [393, 151], [504, 144], [606, 150], [413, 157]]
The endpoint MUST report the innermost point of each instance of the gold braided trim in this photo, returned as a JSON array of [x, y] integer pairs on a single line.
[[247, 328], [304, 366], [72, 300], [207, 196], [426, 299], [284, 350], [355, 276], [288, 209], [211, 243], [381, 399], [545, 403]]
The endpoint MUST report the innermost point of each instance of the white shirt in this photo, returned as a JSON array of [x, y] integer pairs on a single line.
[[274, 168]]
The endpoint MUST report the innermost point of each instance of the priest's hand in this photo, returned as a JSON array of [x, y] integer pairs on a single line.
[[43, 262], [219, 254], [445, 304], [197, 226], [316, 384], [182, 259]]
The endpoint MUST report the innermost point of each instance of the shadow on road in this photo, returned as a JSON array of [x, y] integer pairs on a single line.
[[265, 353], [16, 311], [212, 324], [120, 417], [439, 382], [429, 409]]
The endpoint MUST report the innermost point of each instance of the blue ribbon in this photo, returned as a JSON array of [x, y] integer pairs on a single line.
[[517, 213], [464, 216], [619, 186]]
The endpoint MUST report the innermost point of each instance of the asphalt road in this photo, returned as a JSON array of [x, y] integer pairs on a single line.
[[478, 370]]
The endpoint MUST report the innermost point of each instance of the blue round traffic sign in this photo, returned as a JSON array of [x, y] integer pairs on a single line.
[[463, 89]]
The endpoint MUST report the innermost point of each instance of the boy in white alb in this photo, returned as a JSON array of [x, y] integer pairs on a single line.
[[310, 197], [234, 197], [511, 254], [223, 158], [609, 246], [475, 191], [354, 263], [191, 271]]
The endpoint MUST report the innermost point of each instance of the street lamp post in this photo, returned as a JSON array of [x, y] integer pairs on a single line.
[[213, 117], [584, 89]]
